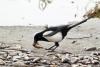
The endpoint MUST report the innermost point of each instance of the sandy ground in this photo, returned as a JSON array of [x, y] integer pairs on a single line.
[[85, 35]]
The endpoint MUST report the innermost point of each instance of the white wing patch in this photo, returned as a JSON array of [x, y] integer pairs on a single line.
[[47, 32], [55, 38]]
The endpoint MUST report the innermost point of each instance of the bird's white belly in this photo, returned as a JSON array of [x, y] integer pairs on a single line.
[[55, 38]]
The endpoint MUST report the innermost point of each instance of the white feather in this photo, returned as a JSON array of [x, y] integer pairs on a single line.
[[47, 32], [55, 38]]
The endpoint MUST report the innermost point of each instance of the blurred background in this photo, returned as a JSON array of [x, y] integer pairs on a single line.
[[29, 12]]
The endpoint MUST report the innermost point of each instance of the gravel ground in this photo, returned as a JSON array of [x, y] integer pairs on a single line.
[[80, 48]]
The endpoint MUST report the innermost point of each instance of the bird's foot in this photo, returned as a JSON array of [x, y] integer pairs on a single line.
[[48, 49], [51, 51], [38, 46]]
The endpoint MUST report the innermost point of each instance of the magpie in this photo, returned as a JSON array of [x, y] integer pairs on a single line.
[[54, 34]]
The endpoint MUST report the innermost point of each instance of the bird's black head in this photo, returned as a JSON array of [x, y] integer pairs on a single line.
[[38, 36]]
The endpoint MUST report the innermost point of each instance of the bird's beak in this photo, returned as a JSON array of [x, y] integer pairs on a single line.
[[37, 45], [34, 44]]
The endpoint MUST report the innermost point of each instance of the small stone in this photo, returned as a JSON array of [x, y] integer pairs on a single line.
[[90, 48], [4, 45], [43, 66], [99, 53], [81, 65], [94, 53], [54, 57], [45, 62], [53, 65], [96, 38], [16, 58], [74, 42], [95, 58], [19, 64], [76, 65], [86, 57], [81, 57], [9, 57], [2, 62], [16, 46], [85, 61], [3, 55], [27, 62], [36, 59], [95, 61], [66, 58], [58, 56], [65, 65], [26, 57], [13, 53], [74, 59]]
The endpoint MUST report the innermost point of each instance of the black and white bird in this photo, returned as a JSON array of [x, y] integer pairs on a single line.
[[54, 34]]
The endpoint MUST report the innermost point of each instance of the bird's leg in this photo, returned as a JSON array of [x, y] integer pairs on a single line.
[[53, 47], [56, 45], [50, 47]]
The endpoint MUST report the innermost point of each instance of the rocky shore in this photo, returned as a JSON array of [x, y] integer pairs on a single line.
[[16, 56]]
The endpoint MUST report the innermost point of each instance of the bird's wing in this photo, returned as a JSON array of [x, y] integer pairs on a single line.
[[49, 33]]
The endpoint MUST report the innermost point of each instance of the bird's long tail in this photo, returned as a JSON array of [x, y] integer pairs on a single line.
[[74, 25]]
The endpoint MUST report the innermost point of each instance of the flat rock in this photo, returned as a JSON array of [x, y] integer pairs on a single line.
[[16, 46], [36, 59], [19, 64], [66, 58], [2, 62], [90, 48], [16, 58], [74, 59], [4, 45]]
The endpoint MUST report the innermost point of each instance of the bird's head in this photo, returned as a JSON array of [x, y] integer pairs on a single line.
[[37, 37]]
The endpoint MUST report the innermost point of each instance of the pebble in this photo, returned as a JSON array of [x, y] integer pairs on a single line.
[[95, 62], [94, 53], [19, 64], [26, 57], [66, 58], [76, 65], [2, 62], [3, 55], [43, 66], [74, 60], [16, 58], [13, 52], [36, 59], [16, 46], [90, 49], [45, 62], [65, 65], [9, 57], [19, 58], [86, 61], [3, 45]]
